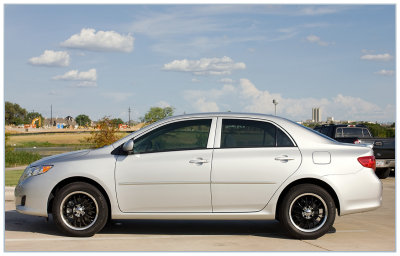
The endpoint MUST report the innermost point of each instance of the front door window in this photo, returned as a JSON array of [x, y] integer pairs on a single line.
[[184, 135]]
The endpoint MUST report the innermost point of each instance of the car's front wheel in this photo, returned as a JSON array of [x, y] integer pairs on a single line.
[[307, 211], [80, 209]]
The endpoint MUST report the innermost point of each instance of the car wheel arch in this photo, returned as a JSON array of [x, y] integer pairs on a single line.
[[313, 181], [69, 180]]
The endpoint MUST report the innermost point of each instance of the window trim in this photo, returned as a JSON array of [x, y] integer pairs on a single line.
[[218, 131]]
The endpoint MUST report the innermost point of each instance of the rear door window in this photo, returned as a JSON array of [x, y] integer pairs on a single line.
[[237, 133]]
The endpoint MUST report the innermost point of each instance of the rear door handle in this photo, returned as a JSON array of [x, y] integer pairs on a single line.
[[198, 161], [283, 158]]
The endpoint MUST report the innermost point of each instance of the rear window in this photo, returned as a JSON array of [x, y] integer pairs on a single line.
[[346, 132]]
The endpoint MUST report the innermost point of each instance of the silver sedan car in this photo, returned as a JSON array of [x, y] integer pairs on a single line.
[[220, 166]]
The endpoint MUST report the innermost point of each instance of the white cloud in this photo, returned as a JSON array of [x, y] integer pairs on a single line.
[[377, 57], [117, 96], [75, 75], [385, 72], [195, 80], [203, 105], [89, 39], [205, 100], [320, 10], [340, 106], [246, 97], [51, 59], [354, 105], [205, 66], [317, 40], [227, 80]]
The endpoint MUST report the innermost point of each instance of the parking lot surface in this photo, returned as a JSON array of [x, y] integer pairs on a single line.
[[369, 231]]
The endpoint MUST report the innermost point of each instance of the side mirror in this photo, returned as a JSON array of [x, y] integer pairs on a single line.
[[128, 146]]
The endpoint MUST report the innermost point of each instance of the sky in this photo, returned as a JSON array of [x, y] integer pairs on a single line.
[[99, 60]]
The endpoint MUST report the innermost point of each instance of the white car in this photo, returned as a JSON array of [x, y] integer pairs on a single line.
[[220, 166]]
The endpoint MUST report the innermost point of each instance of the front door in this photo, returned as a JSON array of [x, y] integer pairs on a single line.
[[169, 170]]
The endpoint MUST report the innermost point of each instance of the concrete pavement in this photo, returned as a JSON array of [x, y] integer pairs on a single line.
[[369, 231]]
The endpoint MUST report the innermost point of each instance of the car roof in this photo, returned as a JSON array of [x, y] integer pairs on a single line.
[[225, 114]]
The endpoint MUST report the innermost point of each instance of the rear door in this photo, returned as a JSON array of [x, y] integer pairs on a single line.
[[251, 160]]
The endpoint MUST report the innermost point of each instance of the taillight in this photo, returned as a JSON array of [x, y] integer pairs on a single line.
[[357, 141], [367, 161]]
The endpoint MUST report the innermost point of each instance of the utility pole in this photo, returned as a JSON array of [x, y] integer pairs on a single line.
[[275, 103], [129, 111], [51, 115]]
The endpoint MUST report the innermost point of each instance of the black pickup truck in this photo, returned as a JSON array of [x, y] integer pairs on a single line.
[[384, 148]]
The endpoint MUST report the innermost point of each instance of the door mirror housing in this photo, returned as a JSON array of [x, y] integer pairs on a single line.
[[128, 146]]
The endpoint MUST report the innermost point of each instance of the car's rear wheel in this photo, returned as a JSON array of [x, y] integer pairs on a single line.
[[307, 211], [383, 173], [80, 209]]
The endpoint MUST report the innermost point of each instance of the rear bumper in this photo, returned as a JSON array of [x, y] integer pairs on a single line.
[[357, 192], [385, 163]]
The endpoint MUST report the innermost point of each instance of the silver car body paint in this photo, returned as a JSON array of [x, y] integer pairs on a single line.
[[213, 183]]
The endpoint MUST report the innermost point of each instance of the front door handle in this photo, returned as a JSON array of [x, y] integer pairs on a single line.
[[198, 161], [283, 158]]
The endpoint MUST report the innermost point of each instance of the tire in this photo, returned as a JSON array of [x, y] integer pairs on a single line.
[[298, 214], [383, 173], [80, 209]]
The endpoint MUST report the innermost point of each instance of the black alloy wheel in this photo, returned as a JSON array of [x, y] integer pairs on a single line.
[[307, 211], [80, 209]]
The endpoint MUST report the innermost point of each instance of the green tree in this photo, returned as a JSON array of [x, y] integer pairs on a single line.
[[14, 113], [381, 131], [157, 113], [117, 121], [83, 120], [106, 135]]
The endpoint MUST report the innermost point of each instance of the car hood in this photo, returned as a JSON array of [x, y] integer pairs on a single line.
[[61, 157]]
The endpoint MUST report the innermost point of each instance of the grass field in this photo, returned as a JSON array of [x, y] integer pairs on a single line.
[[18, 158], [12, 177], [37, 146], [49, 140], [52, 140]]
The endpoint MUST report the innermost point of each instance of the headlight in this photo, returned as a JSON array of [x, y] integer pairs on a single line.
[[34, 170]]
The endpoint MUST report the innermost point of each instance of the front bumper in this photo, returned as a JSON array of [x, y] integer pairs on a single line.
[[357, 192], [31, 196]]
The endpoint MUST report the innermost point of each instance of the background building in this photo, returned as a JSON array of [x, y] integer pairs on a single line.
[[316, 115]]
